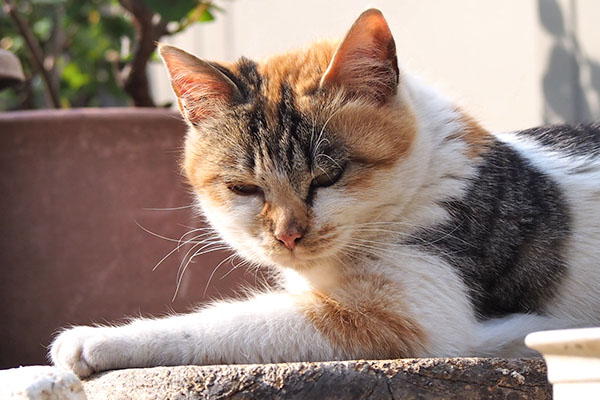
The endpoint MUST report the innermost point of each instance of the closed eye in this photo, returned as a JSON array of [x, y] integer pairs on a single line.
[[327, 178], [245, 190]]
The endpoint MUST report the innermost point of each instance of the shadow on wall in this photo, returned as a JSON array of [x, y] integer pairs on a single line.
[[571, 82]]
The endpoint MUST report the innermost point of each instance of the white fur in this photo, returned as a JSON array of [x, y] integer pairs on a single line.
[[265, 328]]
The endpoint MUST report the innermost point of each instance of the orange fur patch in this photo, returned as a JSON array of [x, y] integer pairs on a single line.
[[194, 163], [364, 318], [477, 138], [378, 136], [300, 69], [200, 164]]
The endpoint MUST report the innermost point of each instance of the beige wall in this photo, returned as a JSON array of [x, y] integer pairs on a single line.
[[513, 63]]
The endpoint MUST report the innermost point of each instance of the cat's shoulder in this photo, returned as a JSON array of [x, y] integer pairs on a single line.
[[570, 139]]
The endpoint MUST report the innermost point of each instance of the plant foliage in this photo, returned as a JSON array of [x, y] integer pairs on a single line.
[[87, 46]]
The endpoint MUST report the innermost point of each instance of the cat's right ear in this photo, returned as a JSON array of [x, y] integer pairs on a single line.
[[201, 89], [365, 63]]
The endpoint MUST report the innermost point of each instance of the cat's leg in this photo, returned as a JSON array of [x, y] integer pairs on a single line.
[[266, 328], [272, 327]]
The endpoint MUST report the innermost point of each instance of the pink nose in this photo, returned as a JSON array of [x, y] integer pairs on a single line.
[[289, 239]]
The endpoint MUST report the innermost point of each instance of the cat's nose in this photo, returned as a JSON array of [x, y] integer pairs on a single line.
[[289, 239]]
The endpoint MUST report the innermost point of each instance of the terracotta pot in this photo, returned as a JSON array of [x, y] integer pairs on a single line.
[[80, 189]]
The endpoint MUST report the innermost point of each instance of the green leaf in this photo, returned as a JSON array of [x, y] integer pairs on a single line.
[[43, 28], [206, 16], [173, 10], [74, 77], [154, 57]]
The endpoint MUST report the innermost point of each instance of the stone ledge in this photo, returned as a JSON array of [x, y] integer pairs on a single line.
[[465, 378]]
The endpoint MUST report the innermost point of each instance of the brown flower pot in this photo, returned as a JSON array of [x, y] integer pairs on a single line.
[[79, 189]]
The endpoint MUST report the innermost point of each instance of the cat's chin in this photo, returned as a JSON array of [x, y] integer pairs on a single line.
[[299, 259]]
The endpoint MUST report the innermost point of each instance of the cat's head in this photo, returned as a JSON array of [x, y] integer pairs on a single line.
[[293, 157]]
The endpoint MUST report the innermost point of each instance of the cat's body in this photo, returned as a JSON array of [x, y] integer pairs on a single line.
[[400, 227]]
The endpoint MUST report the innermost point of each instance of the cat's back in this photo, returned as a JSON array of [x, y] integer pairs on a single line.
[[569, 155], [574, 140], [565, 152]]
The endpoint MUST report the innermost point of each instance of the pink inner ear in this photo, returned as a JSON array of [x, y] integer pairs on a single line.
[[198, 86], [365, 62], [199, 95], [201, 88]]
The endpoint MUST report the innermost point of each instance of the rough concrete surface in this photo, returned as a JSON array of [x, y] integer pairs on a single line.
[[464, 378], [40, 382]]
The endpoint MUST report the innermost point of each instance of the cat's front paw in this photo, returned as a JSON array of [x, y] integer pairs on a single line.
[[79, 349]]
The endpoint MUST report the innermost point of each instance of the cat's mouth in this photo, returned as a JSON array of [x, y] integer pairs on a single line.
[[297, 259], [306, 250]]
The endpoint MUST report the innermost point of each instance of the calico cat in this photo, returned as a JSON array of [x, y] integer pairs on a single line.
[[399, 227]]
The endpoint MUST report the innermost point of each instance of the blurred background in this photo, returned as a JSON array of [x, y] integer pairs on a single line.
[[514, 64], [91, 194]]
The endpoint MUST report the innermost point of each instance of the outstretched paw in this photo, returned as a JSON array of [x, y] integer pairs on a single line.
[[79, 350]]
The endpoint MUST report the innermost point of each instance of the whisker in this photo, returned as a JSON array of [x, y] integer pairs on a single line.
[[320, 138], [179, 246], [382, 252], [155, 234], [325, 172], [244, 263], [234, 267], [371, 226], [332, 160], [195, 237], [214, 271], [195, 251], [181, 270], [390, 253], [168, 208], [179, 277]]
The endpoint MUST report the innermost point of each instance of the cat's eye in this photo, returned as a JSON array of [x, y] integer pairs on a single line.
[[325, 179], [245, 190]]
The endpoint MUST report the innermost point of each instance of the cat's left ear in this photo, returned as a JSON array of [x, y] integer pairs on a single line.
[[202, 89], [365, 63]]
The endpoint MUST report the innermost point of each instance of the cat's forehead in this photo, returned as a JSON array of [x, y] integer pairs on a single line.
[[278, 122], [297, 72]]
